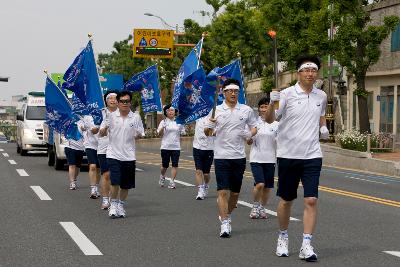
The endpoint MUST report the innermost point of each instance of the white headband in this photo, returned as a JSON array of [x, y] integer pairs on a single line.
[[308, 65], [232, 86], [110, 95]]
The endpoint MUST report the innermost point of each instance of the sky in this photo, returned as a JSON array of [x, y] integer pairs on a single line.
[[48, 34]]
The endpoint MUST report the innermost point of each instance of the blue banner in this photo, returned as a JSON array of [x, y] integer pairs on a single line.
[[188, 67], [194, 102], [82, 78], [113, 82], [230, 71], [59, 115], [146, 82]]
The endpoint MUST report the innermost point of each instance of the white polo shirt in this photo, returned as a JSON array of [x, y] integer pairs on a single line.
[[122, 132], [90, 140], [229, 142], [171, 139], [103, 141], [299, 114], [263, 149], [200, 140]]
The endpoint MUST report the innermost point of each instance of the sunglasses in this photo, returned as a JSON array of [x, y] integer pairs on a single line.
[[124, 101]]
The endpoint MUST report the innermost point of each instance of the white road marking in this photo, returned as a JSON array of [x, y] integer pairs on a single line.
[[5, 155], [12, 162], [139, 170], [355, 178], [1, 149], [22, 172], [394, 253], [246, 204], [40, 192], [243, 203], [87, 247], [180, 182]]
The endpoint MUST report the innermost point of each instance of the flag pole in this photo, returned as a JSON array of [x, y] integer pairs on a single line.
[[216, 97], [90, 36], [241, 73]]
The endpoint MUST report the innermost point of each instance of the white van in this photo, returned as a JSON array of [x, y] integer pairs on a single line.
[[30, 121]]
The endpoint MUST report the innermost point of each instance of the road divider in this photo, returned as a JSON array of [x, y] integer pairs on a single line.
[[22, 172], [40, 192], [87, 247]]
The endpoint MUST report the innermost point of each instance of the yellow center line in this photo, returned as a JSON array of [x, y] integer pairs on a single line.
[[249, 175]]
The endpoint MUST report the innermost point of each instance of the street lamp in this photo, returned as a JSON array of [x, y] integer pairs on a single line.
[[163, 21]]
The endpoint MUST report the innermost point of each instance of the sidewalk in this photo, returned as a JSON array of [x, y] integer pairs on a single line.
[[391, 156]]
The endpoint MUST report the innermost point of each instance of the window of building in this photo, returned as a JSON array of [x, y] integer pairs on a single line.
[[395, 43]]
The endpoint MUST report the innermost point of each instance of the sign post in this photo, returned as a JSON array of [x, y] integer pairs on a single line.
[[153, 43]]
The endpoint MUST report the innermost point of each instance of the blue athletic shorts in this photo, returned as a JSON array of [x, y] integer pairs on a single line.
[[263, 173], [203, 159], [91, 155], [74, 157], [167, 155], [122, 173], [292, 171], [103, 163], [229, 174]]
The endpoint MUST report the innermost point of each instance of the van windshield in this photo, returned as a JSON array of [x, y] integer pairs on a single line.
[[35, 113]]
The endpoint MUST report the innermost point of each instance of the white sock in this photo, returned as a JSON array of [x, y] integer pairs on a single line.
[[306, 239]]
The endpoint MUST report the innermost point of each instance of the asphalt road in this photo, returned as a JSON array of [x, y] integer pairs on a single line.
[[358, 220]]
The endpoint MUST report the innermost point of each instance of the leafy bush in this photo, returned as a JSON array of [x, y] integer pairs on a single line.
[[354, 140]]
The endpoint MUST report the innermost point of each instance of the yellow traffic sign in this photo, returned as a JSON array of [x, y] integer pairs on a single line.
[[153, 43]]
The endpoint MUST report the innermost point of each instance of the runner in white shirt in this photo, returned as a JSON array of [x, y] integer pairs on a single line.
[[74, 151], [90, 141], [110, 98], [122, 127], [229, 124], [262, 160], [203, 155], [302, 122], [170, 144]]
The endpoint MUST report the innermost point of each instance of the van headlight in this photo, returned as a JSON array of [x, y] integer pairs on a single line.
[[28, 133]]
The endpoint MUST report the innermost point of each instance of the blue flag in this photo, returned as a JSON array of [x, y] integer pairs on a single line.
[[82, 78], [194, 102], [146, 82], [59, 114], [188, 67], [230, 71]]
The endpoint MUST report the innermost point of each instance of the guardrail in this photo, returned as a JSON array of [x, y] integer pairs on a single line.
[[381, 142]]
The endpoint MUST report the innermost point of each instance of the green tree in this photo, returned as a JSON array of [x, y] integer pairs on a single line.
[[216, 5], [356, 45], [239, 29]]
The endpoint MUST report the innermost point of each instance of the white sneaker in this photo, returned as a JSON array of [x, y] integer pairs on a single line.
[[200, 193], [161, 182], [205, 190], [105, 204], [93, 192], [282, 248], [121, 211], [229, 219], [72, 186], [113, 210], [171, 185], [307, 253], [225, 229]]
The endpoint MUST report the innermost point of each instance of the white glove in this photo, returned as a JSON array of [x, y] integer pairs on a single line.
[[324, 132], [274, 96], [245, 134]]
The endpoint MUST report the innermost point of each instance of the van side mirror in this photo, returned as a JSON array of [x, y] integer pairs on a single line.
[[20, 117]]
